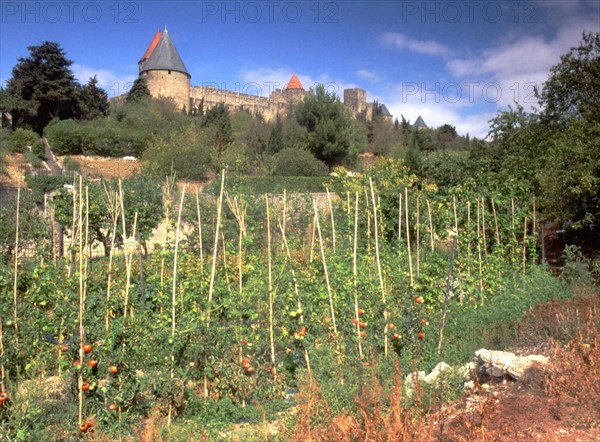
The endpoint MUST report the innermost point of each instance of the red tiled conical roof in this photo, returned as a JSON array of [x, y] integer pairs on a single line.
[[153, 44], [294, 83]]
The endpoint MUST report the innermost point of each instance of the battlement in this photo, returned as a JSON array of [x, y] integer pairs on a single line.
[[167, 77]]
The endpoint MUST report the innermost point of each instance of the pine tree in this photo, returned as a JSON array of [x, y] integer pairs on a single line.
[[94, 100], [138, 92], [42, 87]]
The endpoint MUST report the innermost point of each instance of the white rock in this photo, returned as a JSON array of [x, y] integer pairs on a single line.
[[436, 372]]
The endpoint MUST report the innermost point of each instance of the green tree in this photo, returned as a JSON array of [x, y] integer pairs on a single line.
[[42, 87], [277, 138], [573, 87], [139, 91], [333, 136], [94, 101], [218, 117]]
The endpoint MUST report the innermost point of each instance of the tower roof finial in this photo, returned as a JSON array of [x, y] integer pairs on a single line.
[[166, 28]]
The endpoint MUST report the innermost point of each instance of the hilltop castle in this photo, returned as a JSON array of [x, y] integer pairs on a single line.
[[167, 76]]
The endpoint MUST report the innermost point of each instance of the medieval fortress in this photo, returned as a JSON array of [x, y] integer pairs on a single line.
[[167, 77]]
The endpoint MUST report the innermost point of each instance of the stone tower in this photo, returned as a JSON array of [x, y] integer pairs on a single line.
[[356, 100], [164, 71]]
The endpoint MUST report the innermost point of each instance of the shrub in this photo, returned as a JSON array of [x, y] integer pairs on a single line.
[[39, 149], [21, 138], [297, 162]]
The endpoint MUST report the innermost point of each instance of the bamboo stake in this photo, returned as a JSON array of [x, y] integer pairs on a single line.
[[455, 217], [296, 290], [524, 243], [400, 216], [215, 249], [418, 226], [469, 238], [284, 215], [379, 272], [312, 240], [410, 269], [483, 229], [129, 250], [173, 296], [325, 269], [332, 220], [496, 222], [355, 275], [200, 245], [115, 217], [81, 302], [270, 270], [225, 264], [430, 224], [479, 252], [2, 369], [16, 269]]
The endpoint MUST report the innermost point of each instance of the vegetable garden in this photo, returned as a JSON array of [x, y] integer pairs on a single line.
[[248, 295]]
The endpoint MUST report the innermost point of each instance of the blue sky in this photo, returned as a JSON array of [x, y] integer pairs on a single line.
[[454, 62]]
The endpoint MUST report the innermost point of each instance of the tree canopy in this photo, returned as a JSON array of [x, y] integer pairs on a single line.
[[333, 136], [42, 87]]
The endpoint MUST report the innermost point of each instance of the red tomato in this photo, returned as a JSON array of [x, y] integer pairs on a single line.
[[362, 324], [87, 348], [246, 363], [391, 326], [361, 311], [92, 363], [396, 336], [113, 369], [249, 370], [419, 300], [3, 397], [85, 386], [354, 321], [83, 427], [421, 335]]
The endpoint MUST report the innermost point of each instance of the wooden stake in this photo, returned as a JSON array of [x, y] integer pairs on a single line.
[[483, 229], [200, 244], [379, 272], [430, 224], [332, 219], [355, 276], [215, 249], [479, 252], [332, 311], [270, 270], [16, 269], [400, 216], [418, 227], [81, 301], [173, 295], [410, 269], [469, 238], [296, 290]]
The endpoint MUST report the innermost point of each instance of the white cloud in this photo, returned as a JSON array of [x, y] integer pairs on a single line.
[[427, 47], [436, 109], [366, 75], [114, 84], [520, 62]]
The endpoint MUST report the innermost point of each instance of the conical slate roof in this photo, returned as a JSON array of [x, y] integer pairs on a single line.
[[153, 44], [294, 83], [165, 57], [384, 111], [420, 123]]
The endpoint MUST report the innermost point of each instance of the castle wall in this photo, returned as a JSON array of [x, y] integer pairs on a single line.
[[279, 102], [169, 84]]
